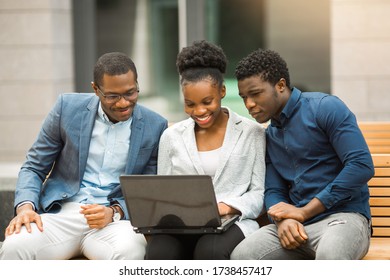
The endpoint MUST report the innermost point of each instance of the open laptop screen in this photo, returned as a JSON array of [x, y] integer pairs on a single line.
[[170, 201]]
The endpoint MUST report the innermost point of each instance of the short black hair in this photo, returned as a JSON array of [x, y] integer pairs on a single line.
[[202, 60], [114, 63], [267, 64]]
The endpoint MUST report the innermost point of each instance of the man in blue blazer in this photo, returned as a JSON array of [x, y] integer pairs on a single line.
[[68, 200]]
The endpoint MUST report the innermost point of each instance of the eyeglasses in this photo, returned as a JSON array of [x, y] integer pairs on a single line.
[[114, 98]]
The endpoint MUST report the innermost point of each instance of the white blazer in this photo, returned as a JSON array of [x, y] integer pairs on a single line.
[[239, 179]]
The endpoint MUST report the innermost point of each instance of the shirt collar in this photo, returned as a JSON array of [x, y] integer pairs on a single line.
[[103, 116], [288, 108]]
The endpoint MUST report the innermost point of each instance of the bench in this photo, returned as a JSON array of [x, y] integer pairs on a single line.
[[377, 135], [379, 187]]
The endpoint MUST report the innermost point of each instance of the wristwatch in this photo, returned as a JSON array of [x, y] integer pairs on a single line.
[[116, 216]]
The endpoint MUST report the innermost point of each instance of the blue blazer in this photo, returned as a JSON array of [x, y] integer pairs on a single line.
[[56, 162]]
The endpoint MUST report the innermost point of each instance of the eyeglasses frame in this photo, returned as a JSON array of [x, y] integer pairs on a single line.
[[118, 96]]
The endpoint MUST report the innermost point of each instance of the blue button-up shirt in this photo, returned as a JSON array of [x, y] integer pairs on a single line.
[[107, 158], [316, 150]]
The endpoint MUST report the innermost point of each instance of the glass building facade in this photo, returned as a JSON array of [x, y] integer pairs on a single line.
[[149, 32]]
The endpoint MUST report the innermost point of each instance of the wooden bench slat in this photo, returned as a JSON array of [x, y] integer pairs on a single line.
[[380, 134], [380, 201], [380, 211], [374, 126], [379, 181], [381, 222], [381, 160], [379, 149], [378, 191], [382, 172], [378, 142], [381, 231]]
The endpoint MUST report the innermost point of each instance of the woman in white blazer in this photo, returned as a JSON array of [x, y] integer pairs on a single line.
[[214, 141]]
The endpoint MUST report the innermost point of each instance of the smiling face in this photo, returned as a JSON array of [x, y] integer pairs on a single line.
[[263, 100], [202, 102], [121, 110]]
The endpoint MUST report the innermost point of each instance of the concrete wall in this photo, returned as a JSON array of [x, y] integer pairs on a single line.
[[360, 64], [36, 58]]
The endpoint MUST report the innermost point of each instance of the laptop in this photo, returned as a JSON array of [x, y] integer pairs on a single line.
[[173, 204]]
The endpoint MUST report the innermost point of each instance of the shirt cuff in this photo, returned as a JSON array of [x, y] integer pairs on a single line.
[[26, 202]]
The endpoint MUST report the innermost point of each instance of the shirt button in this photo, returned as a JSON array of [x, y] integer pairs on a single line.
[[64, 195]]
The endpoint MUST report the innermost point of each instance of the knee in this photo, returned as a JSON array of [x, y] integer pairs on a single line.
[[131, 249], [240, 252], [163, 247], [17, 247], [334, 253], [208, 248], [329, 255], [135, 251], [248, 249]]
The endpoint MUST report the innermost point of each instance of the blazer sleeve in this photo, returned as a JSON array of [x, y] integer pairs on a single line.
[[164, 163], [251, 202], [40, 158]]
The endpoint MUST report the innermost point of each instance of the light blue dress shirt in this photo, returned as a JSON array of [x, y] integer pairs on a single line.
[[107, 158]]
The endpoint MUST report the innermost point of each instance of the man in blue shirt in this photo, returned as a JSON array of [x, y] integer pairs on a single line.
[[68, 200], [317, 168]]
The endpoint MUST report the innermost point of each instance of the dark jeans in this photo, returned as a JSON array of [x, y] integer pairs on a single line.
[[198, 247]]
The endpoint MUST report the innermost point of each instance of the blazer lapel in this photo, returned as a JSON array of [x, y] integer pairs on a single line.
[[232, 135], [86, 127], [191, 147], [137, 132]]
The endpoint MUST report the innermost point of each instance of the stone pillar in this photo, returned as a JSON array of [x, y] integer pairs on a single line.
[[191, 22], [36, 58], [85, 46], [141, 49]]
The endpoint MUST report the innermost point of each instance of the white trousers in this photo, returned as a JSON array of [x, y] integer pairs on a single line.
[[67, 235]]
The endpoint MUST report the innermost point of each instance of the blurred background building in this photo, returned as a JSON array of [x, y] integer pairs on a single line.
[[50, 46]]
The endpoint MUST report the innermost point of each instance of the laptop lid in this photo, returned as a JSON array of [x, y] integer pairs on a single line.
[[182, 204]]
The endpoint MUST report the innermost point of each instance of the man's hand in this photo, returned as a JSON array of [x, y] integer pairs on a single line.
[[25, 216], [98, 216], [291, 234], [284, 210]]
